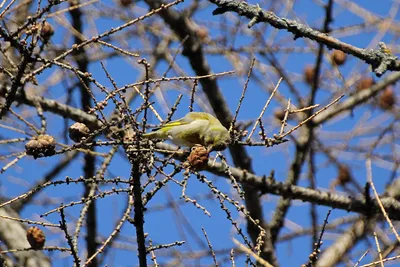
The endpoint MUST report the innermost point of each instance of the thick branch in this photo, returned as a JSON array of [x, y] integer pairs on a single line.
[[356, 99], [380, 60], [323, 198]]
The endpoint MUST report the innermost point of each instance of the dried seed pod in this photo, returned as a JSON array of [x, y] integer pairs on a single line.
[[309, 73], [198, 157], [339, 57], [344, 175], [365, 83], [387, 99], [41, 146], [47, 31], [279, 114], [78, 132], [202, 33], [125, 3], [36, 237]]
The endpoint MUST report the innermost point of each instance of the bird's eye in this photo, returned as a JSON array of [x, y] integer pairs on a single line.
[[220, 147]]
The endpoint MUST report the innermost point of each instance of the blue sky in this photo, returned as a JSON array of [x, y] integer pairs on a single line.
[[167, 226]]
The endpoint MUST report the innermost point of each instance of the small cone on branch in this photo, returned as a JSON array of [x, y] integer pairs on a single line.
[[125, 3], [279, 114], [47, 31], [365, 83], [339, 57], [309, 73], [198, 158], [344, 175], [41, 146], [78, 132], [36, 237], [202, 33], [387, 99]]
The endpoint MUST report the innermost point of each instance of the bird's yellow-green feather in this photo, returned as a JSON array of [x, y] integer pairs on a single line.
[[162, 131], [190, 137], [202, 116], [174, 123], [195, 128]]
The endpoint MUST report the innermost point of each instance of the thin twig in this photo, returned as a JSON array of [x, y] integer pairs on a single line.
[[263, 110], [369, 179], [285, 118], [211, 248], [249, 251], [193, 91], [231, 128], [309, 118], [362, 257], [378, 247], [63, 225]]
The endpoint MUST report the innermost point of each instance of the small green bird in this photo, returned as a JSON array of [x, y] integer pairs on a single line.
[[196, 128]]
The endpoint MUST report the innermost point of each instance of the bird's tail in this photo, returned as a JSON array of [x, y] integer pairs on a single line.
[[151, 135], [156, 134]]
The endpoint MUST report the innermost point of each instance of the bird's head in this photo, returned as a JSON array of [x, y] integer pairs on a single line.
[[217, 140]]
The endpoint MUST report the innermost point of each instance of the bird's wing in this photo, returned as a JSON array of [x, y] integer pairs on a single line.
[[193, 126], [189, 118], [171, 124], [189, 133]]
